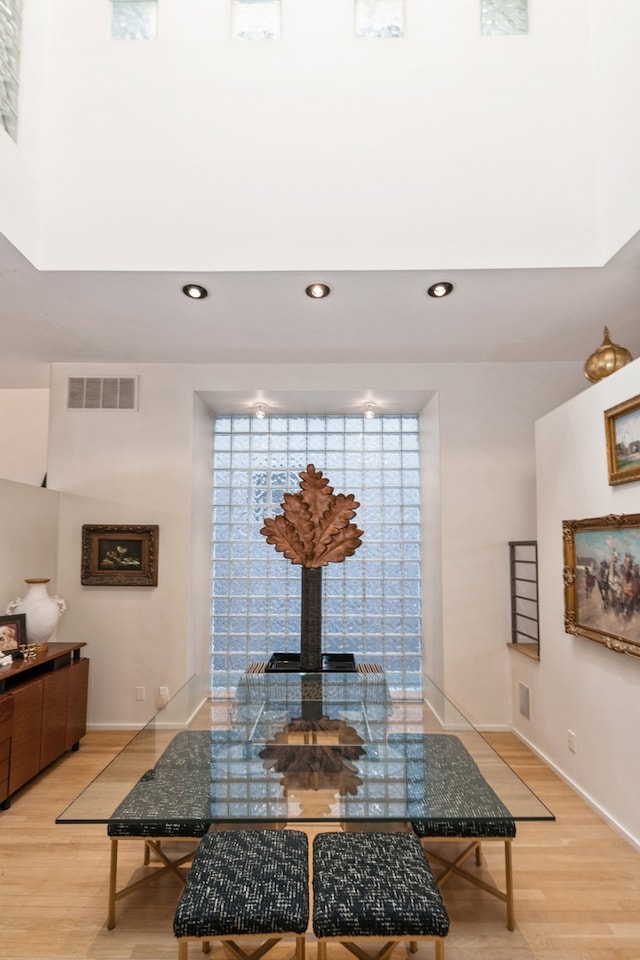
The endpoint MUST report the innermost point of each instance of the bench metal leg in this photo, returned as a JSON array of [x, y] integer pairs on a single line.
[[454, 866], [169, 865]]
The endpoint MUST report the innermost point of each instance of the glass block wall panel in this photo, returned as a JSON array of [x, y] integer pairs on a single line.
[[379, 19], [504, 16], [10, 22], [256, 20], [134, 19], [371, 601]]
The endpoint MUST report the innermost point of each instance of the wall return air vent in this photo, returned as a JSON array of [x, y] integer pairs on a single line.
[[102, 393]]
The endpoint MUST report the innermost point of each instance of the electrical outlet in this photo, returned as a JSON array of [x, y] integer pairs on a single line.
[[571, 741], [140, 693]]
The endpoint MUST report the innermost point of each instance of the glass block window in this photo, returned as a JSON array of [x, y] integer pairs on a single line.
[[379, 19], [371, 601], [134, 19], [504, 17], [10, 22], [256, 20]]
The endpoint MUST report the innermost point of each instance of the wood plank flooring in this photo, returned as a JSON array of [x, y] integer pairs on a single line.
[[577, 883]]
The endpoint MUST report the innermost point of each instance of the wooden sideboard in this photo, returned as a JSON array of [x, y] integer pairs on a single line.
[[43, 713]]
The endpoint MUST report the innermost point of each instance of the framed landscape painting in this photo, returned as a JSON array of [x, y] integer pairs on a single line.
[[622, 426], [602, 580]]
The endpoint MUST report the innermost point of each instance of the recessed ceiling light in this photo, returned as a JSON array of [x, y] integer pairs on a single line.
[[195, 291], [441, 289], [318, 290]]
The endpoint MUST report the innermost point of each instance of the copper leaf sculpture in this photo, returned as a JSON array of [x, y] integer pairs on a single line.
[[314, 529]]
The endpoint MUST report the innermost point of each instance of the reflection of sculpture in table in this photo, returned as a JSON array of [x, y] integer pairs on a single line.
[[316, 755], [313, 531]]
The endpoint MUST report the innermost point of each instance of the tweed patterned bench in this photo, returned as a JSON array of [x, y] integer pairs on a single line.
[[246, 884], [375, 886], [171, 801], [450, 800]]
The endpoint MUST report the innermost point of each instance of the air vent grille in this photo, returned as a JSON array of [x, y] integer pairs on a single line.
[[102, 393]]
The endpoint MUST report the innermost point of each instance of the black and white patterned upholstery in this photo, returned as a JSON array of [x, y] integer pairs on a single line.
[[448, 800], [169, 802], [246, 882], [374, 885], [446, 792], [173, 799]]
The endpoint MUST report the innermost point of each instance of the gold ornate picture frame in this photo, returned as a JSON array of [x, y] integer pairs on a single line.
[[119, 555], [602, 580], [622, 427]]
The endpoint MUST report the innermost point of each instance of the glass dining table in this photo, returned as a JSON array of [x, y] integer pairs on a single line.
[[304, 748], [296, 747]]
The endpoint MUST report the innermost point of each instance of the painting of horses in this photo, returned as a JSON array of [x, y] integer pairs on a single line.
[[622, 427], [602, 580]]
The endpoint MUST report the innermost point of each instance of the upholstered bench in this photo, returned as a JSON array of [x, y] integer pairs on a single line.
[[375, 886], [246, 884], [171, 801], [450, 800]]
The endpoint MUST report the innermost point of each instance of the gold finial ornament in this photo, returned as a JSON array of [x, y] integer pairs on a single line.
[[604, 361]]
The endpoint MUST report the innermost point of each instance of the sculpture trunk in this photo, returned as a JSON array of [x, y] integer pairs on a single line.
[[311, 619]]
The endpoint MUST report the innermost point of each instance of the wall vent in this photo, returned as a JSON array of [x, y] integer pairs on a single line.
[[525, 701], [102, 393]]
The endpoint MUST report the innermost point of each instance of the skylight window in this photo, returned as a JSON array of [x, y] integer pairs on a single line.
[[379, 19], [10, 24], [506, 17], [256, 20], [134, 19]]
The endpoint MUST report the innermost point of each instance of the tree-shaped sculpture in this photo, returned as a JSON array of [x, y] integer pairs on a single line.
[[313, 531]]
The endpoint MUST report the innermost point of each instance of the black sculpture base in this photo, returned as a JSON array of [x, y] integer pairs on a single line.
[[331, 663]]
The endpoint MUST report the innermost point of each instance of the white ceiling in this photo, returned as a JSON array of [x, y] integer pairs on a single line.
[[371, 317]]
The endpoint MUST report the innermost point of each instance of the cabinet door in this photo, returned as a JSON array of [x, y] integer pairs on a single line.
[[77, 708], [25, 738], [6, 729], [55, 697]]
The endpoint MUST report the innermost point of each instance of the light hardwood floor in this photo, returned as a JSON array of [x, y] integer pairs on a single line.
[[577, 882]]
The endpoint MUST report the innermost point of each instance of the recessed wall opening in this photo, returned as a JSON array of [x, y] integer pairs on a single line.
[[371, 600]]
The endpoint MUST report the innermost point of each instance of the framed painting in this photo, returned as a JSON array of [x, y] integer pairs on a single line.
[[602, 580], [13, 632], [622, 426], [119, 555]]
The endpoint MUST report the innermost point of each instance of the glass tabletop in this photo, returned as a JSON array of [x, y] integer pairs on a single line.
[[302, 747]]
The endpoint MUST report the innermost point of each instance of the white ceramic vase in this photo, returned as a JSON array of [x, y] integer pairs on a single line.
[[42, 611]]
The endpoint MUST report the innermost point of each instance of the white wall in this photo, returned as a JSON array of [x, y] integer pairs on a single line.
[[616, 93], [479, 142], [21, 162], [24, 429], [29, 541], [148, 467], [580, 685]]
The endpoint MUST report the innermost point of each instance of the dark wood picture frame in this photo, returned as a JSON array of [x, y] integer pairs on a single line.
[[602, 580], [622, 427], [119, 555], [13, 632]]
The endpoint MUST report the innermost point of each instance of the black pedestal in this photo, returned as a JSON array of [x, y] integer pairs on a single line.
[[330, 663]]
